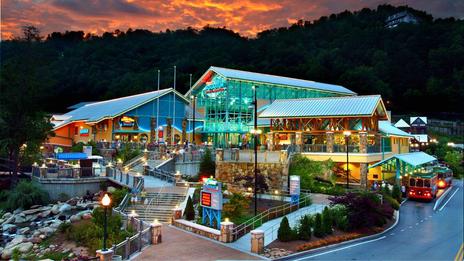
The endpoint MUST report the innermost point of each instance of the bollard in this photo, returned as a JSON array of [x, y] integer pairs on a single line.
[[156, 236], [105, 255], [219, 155], [176, 214], [226, 231], [43, 171], [257, 241]]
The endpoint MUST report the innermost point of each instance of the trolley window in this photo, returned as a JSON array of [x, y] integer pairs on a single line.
[[412, 182], [427, 183], [419, 183]]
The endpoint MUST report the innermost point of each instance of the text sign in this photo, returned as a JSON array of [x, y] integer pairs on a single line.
[[211, 194], [87, 150], [206, 199], [295, 189]]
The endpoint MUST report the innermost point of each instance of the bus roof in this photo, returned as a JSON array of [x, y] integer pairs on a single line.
[[427, 175]]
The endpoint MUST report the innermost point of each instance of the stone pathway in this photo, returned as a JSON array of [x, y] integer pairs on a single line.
[[180, 245], [270, 228]]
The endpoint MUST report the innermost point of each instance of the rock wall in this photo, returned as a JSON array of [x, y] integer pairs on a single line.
[[230, 173], [70, 187]]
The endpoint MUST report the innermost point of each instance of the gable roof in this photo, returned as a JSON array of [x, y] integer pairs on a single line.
[[271, 79], [402, 124], [387, 128], [324, 107], [98, 111], [78, 105], [413, 119], [414, 159]]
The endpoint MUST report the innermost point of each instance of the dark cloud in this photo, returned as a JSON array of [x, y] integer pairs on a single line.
[[101, 7]]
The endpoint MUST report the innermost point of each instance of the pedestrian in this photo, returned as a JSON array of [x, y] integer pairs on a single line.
[[143, 196]]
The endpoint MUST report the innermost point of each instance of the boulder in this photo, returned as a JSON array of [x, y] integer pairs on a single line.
[[6, 215], [24, 230], [64, 208], [9, 220], [111, 189], [6, 253], [31, 217], [31, 211], [36, 240], [19, 219], [75, 218], [46, 230], [17, 240], [56, 224], [25, 247], [87, 216], [9, 227], [17, 211], [55, 209], [46, 213], [72, 201]]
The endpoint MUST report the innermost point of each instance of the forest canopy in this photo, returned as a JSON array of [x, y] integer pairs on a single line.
[[415, 67]]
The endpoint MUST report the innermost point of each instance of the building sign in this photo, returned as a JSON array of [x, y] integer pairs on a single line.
[[215, 90], [295, 189], [84, 132], [206, 199], [126, 121], [87, 150], [211, 202]]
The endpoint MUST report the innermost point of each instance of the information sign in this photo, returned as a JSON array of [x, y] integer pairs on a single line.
[[295, 189]]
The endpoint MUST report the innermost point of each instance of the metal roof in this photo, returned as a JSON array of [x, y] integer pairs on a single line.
[[387, 128], [323, 107], [78, 105], [98, 111], [402, 124], [414, 159], [273, 79]]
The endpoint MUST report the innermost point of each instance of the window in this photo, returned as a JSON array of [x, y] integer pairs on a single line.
[[420, 183], [427, 183], [76, 130], [412, 182]]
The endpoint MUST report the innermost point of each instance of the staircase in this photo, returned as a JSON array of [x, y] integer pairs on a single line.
[[160, 205]]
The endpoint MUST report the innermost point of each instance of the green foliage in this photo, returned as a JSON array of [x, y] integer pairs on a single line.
[[63, 197], [304, 229], [392, 201], [454, 160], [118, 195], [127, 153], [189, 212], [285, 232], [207, 165], [26, 194], [396, 193], [79, 147], [318, 227], [56, 255], [310, 170], [327, 221], [236, 207], [386, 190], [339, 217], [16, 254]]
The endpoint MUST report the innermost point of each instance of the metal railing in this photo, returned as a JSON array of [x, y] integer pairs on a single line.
[[342, 148], [314, 148], [66, 172], [162, 174], [269, 214]]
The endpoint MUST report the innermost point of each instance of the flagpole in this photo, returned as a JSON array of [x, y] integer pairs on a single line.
[[190, 87], [157, 110], [174, 108]]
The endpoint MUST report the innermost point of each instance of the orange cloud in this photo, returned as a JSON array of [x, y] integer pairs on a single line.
[[247, 17]]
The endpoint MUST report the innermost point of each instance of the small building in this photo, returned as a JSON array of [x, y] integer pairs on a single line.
[[157, 116], [403, 125], [402, 17]]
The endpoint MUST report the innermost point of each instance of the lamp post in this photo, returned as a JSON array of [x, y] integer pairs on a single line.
[[106, 200], [347, 138], [255, 132], [193, 131]]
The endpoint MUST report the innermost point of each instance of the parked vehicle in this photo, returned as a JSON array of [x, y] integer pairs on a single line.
[[423, 186]]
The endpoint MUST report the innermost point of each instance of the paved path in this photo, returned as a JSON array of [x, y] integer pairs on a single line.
[[421, 234], [270, 228], [180, 245], [152, 182]]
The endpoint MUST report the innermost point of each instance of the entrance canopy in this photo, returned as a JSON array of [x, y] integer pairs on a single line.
[[414, 159]]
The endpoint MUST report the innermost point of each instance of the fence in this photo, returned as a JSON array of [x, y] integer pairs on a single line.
[[271, 213], [67, 172], [162, 174]]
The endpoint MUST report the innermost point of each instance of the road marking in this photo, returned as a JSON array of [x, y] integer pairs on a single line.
[[402, 230], [422, 221], [459, 255], [343, 248], [392, 234], [417, 224], [449, 199], [410, 227]]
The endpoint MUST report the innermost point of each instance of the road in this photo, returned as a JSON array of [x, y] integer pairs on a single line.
[[421, 234]]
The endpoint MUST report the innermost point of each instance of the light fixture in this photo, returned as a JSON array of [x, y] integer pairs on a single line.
[[106, 200], [347, 133], [226, 220]]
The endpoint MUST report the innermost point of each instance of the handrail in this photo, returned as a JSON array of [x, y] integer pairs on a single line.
[[133, 160]]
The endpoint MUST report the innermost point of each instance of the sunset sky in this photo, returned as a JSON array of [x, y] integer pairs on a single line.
[[244, 16]]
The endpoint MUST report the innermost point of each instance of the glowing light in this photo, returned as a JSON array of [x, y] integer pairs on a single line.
[[226, 219], [106, 200], [276, 192], [250, 189], [347, 133]]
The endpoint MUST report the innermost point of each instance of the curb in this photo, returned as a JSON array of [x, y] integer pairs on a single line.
[[441, 198], [397, 219]]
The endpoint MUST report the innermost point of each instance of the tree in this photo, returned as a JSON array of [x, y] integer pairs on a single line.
[[285, 232], [396, 193], [327, 221], [189, 213], [304, 230], [309, 170], [207, 165], [454, 160], [31, 34], [318, 228]]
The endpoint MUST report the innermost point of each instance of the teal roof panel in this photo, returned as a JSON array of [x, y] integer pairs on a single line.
[[322, 107], [387, 128], [414, 159]]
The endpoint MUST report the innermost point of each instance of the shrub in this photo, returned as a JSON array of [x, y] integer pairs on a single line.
[[318, 229], [207, 165], [364, 209], [339, 217], [118, 195], [26, 194], [285, 232], [329, 241], [386, 189], [236, 206], [327, 221], [189, 212], [62, 197], [393, 203], [396, 193], [304, 230]]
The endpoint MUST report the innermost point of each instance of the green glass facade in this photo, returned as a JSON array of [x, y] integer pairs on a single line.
[[228, 106]]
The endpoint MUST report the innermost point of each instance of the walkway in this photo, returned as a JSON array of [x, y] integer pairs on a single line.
[[180, 245], [270, 228], [152, 182]]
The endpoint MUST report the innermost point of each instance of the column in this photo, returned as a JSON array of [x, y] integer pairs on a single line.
[[257, 241], [156, 233], [283, 156], [330, 141], [176, 214], [43, 171], [178, 177], [226, 231], [299, 141], [363, 142], [363, 170], [271, 141], [219, 154], [106, 255]]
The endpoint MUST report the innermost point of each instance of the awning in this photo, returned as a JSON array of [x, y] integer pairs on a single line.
[[71, 156], [387, 128], [414, 159]]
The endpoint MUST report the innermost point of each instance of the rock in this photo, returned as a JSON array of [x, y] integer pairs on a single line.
[[64, 208], [62, 217], [6, 253], [87, 216], [17, 211], [24, 230], [74, 218], [6, 215], [9, 227], [56, 224], [19, 219], [35, 206], [55, 209], [9, 220], [42, 236], [46, 213], [31, 217], [72, 202], [31, 211], [25, 247], [36, 240], [47, 230], [17, 240], [80, 214]]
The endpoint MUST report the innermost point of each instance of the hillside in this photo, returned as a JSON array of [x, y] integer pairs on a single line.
[[416, 68]]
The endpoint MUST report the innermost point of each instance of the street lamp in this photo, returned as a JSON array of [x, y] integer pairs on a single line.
[[255, 132], [106, 200], [193, 131], [347, 138]]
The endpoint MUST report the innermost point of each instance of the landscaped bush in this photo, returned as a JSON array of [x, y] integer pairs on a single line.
[[393, 203], [285, 232], [327, 221], [309, 170], [25, 195], [189, 212], [318, 228], [236, 207], [127, 153], [364, 209], [329, 241], [304, 229], [118, 195], [207, 164], [396, 193], [339, 217]]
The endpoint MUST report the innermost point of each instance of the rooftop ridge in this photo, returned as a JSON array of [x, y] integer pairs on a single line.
[[127, 97], [327, 98]]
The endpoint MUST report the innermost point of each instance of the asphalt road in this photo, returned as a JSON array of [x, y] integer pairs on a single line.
[[421, 234]]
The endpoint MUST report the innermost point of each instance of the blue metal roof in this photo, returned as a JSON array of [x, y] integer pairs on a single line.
[[414, 159], [71, 156], [98, 111], [274, 79], [387, 128], [323, 107]]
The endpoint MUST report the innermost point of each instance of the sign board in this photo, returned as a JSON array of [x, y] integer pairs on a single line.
[[126, 121], [87, 150], [211, 194], [295, 189], [84, 132]]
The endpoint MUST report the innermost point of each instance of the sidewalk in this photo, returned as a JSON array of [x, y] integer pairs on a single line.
[[270, 228], [179, 245]]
